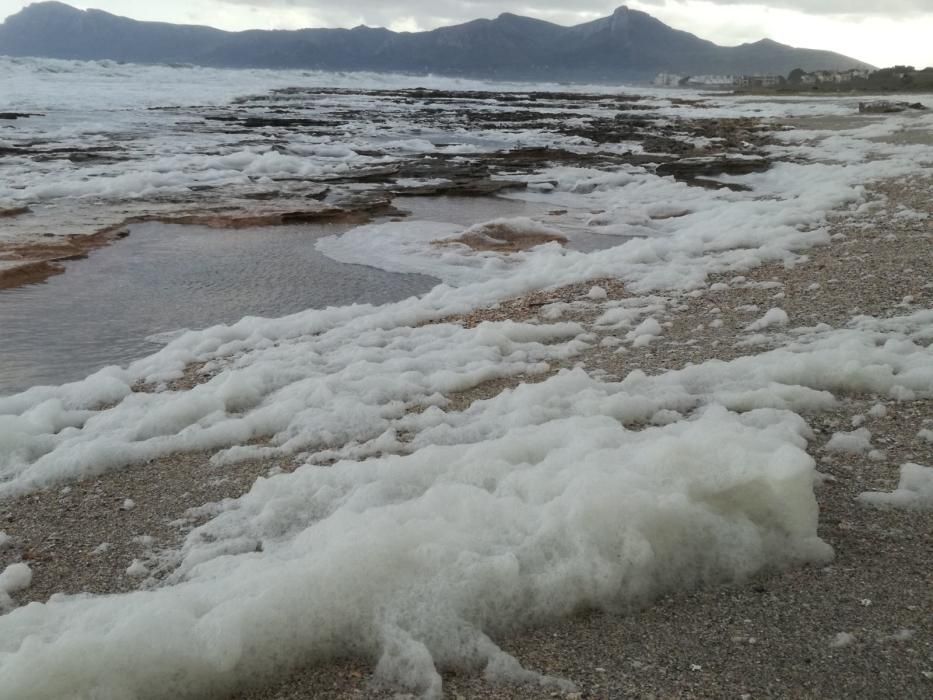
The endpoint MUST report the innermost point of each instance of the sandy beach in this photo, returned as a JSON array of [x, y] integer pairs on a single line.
[[861, 626], [491, 390]]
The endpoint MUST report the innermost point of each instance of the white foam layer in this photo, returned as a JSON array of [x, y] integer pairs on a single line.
[[14, 578], [528, 505], [415, 560], [914, 490], [437, 528]]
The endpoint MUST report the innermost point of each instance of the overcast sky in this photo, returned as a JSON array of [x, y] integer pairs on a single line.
[[882, 32]]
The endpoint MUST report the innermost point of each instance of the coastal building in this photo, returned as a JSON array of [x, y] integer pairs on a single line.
[[834, 76], [677, 80], [668, 80], [712, 80], [753, 81]]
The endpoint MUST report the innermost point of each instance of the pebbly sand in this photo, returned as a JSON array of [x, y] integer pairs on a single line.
[[774, 636]]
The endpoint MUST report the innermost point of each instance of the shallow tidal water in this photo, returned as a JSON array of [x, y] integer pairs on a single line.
[[167, 277], [467, 211]]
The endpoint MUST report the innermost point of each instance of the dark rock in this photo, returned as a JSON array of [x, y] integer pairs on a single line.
[[888, 107], [687, 169], [15, 211], [262, 196]]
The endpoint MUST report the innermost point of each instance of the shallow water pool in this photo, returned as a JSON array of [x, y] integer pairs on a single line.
[[166, 277]]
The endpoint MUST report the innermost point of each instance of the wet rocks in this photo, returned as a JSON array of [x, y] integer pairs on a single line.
[[464, 187], [698, 171], [505, 237], [32, 263], [359, 212], [888, 107], [458, 153], [28, 273], [42, 153], [251, 122]]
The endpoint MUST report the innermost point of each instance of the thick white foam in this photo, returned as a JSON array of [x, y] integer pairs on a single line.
[[442, 528]]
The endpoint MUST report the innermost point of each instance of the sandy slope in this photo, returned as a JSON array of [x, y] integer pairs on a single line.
[[775, 636], [770, 637]]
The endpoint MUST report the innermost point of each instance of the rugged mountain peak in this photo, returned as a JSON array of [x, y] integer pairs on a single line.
[[621, 19], [46, 8], [512, 20], [627, 45]]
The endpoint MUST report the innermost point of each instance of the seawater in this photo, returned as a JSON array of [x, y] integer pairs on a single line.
[[162, 278]]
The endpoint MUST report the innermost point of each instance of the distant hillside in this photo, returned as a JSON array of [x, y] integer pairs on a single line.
[[628, 45]]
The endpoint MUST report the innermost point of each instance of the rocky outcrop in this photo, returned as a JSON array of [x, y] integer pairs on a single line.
[[887, 107]]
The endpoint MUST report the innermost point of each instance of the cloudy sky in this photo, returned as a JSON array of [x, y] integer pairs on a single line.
[[882, 32]]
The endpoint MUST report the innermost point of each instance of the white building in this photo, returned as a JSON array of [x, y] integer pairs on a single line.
[[668, 80], [758, 80], [835, 76], [712, 80]]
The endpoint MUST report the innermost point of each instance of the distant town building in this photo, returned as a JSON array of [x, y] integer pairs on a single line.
[[753, 81], [712, 80], [677, 80], [718, 81], [833, 76], [858, 73], [668, 80]]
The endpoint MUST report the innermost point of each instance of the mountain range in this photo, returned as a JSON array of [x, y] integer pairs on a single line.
[[627, 46]]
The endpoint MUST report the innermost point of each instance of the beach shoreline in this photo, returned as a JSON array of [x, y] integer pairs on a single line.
[[773, 636], [778, 245]]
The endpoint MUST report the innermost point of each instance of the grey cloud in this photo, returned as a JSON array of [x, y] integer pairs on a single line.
[[850, 8], [432, 13]]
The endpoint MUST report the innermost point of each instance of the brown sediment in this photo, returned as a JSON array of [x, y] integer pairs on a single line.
[[29, 273], [283, 218], [15, 211], [193, 375], [36, 261], [675, 214], [502, 238]]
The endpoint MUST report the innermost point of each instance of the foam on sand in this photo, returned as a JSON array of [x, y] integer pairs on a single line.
[[436, 530], [415, 560], [529, 505], [913, 492]]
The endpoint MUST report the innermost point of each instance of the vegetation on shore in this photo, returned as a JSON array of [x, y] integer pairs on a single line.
[[896, 79]]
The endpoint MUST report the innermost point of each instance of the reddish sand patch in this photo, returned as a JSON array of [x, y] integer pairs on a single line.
[[503, 238], [36, 261], [15, 211]]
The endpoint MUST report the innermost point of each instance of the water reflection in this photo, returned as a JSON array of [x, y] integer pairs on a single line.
[[165, 277]]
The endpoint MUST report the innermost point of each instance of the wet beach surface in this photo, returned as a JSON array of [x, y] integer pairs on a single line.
[[772, 636], [163, 278], [291, 153], [415, 154]]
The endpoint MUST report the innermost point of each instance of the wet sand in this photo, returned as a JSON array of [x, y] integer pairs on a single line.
[[769, 637]]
